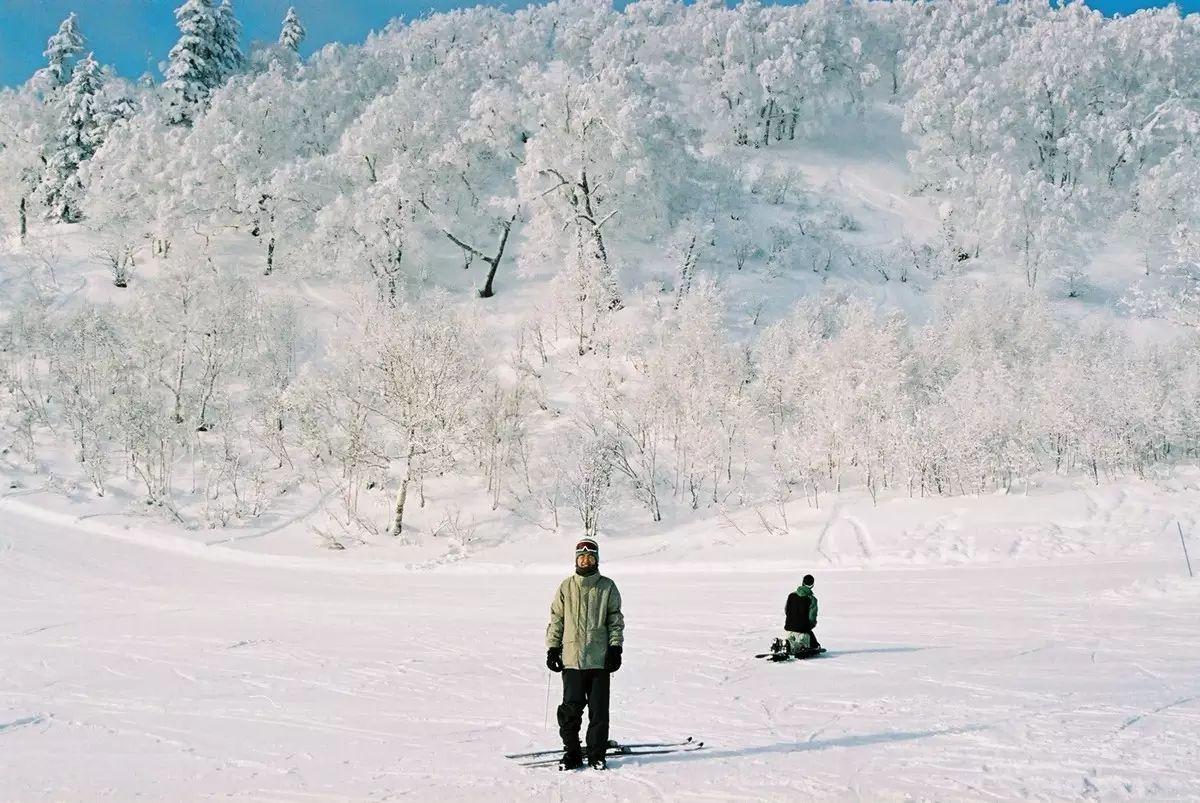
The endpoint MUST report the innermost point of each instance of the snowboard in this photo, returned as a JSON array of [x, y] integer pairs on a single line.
[[784, 656], [781, 652]]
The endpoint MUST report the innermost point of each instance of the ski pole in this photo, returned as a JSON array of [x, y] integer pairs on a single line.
[[546, 722], [1185, 554]]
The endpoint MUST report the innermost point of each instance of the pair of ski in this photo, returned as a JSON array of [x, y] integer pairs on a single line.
[[539, 758]]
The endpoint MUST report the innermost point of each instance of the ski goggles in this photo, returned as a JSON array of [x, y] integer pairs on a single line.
[[586, 548]]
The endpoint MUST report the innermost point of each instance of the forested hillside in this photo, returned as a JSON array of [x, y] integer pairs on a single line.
[[576, 269]]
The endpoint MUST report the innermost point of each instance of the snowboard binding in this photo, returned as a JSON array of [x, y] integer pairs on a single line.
[[780, 651]]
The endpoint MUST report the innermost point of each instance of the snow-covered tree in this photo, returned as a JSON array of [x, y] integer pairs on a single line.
[[601, 160], [677, 412], [85, 356], [292, 33], [1167, 222], [61, 51], [582, 475], [132, 183], [78, 136], [255, 126], [227, 39], [153, 381], [24, 119], [459, 178], [432, 374], [370, 234], [1164, 219], [279, 339], [400, 399], [833, 383], [193, 69], [207, 52]]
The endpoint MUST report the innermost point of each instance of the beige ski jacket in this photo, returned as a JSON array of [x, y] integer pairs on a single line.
[[585, 620]]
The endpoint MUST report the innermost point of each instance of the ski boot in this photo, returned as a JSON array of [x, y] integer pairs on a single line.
[[571, 760], [599, 763]]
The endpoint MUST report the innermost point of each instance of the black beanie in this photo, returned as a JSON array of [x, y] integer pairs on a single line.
[[586, 546]]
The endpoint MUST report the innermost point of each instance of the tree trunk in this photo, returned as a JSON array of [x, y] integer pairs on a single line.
[[209, 389], [597, 237], [767, 113], [686, 269], [398, 515], [402, 495], [24, 218], [494, 263], [591, 520], [609, 281], [177, 413], [262, 205]]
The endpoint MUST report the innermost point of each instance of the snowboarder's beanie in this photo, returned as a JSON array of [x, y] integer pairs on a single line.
[[585, 546], [808, 580]]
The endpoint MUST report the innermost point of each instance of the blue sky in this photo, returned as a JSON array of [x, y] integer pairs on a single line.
[[135, 35]]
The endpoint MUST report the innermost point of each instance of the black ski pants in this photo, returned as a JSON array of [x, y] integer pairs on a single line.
[[584, 687]]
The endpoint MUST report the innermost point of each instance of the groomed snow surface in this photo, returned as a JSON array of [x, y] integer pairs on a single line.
[[133, 665]]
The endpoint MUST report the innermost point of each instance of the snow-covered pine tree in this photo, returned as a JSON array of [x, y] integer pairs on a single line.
[[228, 35], [61, 50], [200, 60], [292, 33], [78, 136]]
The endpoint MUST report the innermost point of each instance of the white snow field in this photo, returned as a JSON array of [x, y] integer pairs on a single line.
[[146, 666]]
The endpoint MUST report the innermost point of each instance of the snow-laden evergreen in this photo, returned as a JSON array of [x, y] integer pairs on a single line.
[[81, 127], [292, 33], [227, 41], [207, 52], [61, 51]]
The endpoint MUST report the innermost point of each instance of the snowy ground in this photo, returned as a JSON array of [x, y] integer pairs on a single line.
[[127, 669]]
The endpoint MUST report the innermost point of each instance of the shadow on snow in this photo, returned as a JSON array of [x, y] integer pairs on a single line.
[[876, 650], [798, 747]]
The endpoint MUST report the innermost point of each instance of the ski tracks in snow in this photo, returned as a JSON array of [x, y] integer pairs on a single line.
[[831, 536], [24, 722]]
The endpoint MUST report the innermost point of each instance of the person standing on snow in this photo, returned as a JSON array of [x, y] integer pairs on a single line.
[[801, 613], [583, 642]]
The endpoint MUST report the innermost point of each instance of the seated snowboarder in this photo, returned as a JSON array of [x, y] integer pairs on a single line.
[[801, 613], [583, 641]]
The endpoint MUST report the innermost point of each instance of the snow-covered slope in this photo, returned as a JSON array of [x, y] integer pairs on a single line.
[[136, 671]]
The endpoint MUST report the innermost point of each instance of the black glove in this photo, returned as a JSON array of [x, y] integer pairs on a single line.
[[554, 659], [612, 661]]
